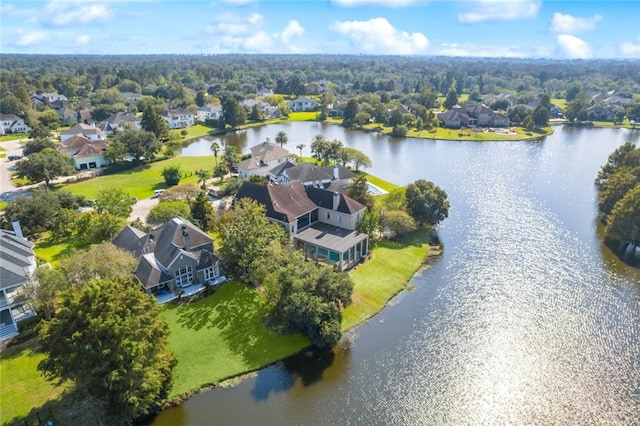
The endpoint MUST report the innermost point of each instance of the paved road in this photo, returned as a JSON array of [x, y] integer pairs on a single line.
[[142, 207], [8, 190]]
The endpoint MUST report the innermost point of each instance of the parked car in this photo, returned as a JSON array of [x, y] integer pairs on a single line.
[[14, 157], [157, 193]]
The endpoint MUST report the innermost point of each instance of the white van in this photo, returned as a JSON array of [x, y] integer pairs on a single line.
[[157, 193]]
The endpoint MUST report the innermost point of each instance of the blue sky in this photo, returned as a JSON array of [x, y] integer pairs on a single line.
[[489, 28]]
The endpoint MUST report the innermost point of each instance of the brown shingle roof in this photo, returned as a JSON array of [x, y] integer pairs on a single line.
[[283, 202]]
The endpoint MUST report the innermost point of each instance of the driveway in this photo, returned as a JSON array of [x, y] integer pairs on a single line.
[[8, 190], [142, 207]]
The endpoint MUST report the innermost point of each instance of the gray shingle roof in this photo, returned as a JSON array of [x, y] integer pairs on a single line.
[[323, 198], [283, 202], [16, 257]]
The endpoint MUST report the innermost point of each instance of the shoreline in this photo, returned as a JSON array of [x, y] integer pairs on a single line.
[[432, 251]]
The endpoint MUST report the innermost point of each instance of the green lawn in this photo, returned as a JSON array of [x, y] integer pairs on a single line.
[[194, 132], [222, 336], [142, 181], [21, 385], [50, 251], [12, 137], [304, 116], [392, 265]]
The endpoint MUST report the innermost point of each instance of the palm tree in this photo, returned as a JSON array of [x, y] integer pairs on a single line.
[[203, 175], [215, 148], [300, 147], [282, 138]]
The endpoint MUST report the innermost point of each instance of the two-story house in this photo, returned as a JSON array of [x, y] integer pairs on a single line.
[[119, 122], [179, 118], [311, 175], [17, 263], [175, 258], [86, 154], [85, 130], [322, 223], [303, 103], [209, 111], [10, 123], [264, 157]]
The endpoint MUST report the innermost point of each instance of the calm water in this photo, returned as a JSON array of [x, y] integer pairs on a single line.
[[526, 319]]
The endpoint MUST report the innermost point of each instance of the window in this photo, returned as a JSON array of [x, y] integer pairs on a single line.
[[211, 273], [184, 276], [328, 215], [339, 218]]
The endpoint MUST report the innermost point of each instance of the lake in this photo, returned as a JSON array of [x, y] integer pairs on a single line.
[[526, 318]]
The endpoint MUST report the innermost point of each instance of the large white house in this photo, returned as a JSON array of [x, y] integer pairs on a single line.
[[303, 103], [17, 262], [86, 154], [85, 130], [179, 118], [10, 123]]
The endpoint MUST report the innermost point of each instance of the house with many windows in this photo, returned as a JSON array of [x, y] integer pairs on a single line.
[[177, 258], [10, 123], [179, 118], [303, 103], [86, 154], [320, 222], [85, 130], [17, 262]]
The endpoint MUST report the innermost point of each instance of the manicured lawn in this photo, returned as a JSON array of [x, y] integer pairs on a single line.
[[21, 385], [194, 132], [381, 183], [142, 181], [52, 251], [12, 137], [377, 280], [222, 336], [304, 116]]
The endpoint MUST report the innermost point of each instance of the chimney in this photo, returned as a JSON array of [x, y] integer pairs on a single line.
[[15, 223], [185, 237], [336, 200], [336, 172]]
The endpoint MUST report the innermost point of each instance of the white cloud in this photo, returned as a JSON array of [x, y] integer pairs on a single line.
[[473, 50], [387, 3], [293, 28], [630, 49], [379, 36], [60, 13], [82, 40], [31, 38], [499, 10], [255, 18], [233, 33], [573, 47], [568, 24]]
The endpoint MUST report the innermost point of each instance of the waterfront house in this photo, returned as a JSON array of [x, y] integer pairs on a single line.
[[321, 223], [175, 258], [303, 103], [179, 118], [311, 175], [264, 157], [209, 111], [17, 263], [472, 115]]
